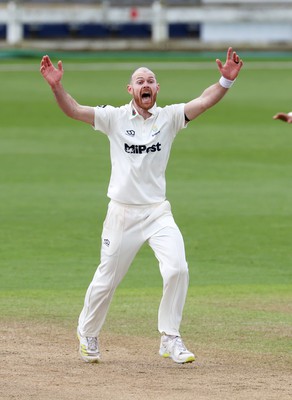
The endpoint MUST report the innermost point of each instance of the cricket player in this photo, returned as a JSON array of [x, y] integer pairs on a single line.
[[140, 135]]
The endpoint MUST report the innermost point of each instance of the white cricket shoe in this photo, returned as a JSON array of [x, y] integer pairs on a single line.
[[173, 347], [88, 348]]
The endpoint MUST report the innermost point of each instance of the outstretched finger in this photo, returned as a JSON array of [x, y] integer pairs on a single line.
[[49, 62], [43, 64], [46, 62], [235, 57], [219, 63], [229, 52], [60, 66]]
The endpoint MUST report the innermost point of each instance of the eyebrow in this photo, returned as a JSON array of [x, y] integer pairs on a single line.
[[142, 77]]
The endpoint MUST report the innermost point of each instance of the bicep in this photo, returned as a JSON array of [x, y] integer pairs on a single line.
[[85, 114], [194, 108]]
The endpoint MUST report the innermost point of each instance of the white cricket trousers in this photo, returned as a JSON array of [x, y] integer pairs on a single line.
[[126, 228]]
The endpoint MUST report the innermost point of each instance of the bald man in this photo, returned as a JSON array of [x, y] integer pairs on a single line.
[[140, 135]]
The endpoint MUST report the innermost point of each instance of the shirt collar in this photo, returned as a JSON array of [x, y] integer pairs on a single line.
[[134, 112]]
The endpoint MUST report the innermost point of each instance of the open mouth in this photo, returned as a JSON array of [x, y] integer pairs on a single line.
[[146, 96]]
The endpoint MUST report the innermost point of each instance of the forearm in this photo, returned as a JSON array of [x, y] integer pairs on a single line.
[[70, 106], [67, 104], [210, 96]]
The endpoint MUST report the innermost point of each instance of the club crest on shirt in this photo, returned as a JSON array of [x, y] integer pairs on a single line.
[[155, 131]]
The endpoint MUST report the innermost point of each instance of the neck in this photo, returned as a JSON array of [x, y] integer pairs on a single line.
[[142, 111]]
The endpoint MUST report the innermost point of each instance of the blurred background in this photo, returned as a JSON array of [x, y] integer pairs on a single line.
[[142, 24]]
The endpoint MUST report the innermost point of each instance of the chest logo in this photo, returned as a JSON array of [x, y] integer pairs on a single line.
[[130, 132], [139, 149]]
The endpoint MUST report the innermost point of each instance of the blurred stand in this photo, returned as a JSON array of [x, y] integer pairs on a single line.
[[141, 24]]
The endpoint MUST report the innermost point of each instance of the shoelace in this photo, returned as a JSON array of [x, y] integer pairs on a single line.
[[177, 342], [92, 343]]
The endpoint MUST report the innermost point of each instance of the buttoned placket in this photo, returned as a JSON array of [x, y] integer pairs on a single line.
[[146, 128]]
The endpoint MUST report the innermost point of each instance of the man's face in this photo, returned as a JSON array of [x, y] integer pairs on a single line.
[[144, 88]]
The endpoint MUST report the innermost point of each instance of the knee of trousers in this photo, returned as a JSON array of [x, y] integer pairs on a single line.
[[107, 277], [177, 272]]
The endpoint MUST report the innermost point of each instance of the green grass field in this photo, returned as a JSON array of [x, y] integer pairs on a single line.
[[229, 183]]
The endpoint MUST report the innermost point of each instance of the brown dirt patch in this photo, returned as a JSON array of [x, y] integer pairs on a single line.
[[41, 362]]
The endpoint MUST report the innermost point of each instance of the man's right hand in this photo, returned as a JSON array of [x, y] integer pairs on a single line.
[[284, 117], [51, 74]]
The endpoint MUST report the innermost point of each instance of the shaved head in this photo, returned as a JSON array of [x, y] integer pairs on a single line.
[[139, 71]]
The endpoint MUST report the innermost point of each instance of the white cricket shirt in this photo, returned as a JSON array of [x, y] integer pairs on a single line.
[[139, 150]]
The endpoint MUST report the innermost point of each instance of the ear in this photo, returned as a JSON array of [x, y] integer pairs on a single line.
[[158, 87], [129, 89]]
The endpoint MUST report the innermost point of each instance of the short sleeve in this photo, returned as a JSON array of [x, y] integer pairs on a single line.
[[103, 116], [176, 113]]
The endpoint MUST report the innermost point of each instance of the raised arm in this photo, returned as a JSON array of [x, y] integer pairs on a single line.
[[67, 104], [284, 117], [214, 93]]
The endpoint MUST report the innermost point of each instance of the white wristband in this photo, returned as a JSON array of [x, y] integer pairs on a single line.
[[290, 114], [226, 83]]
